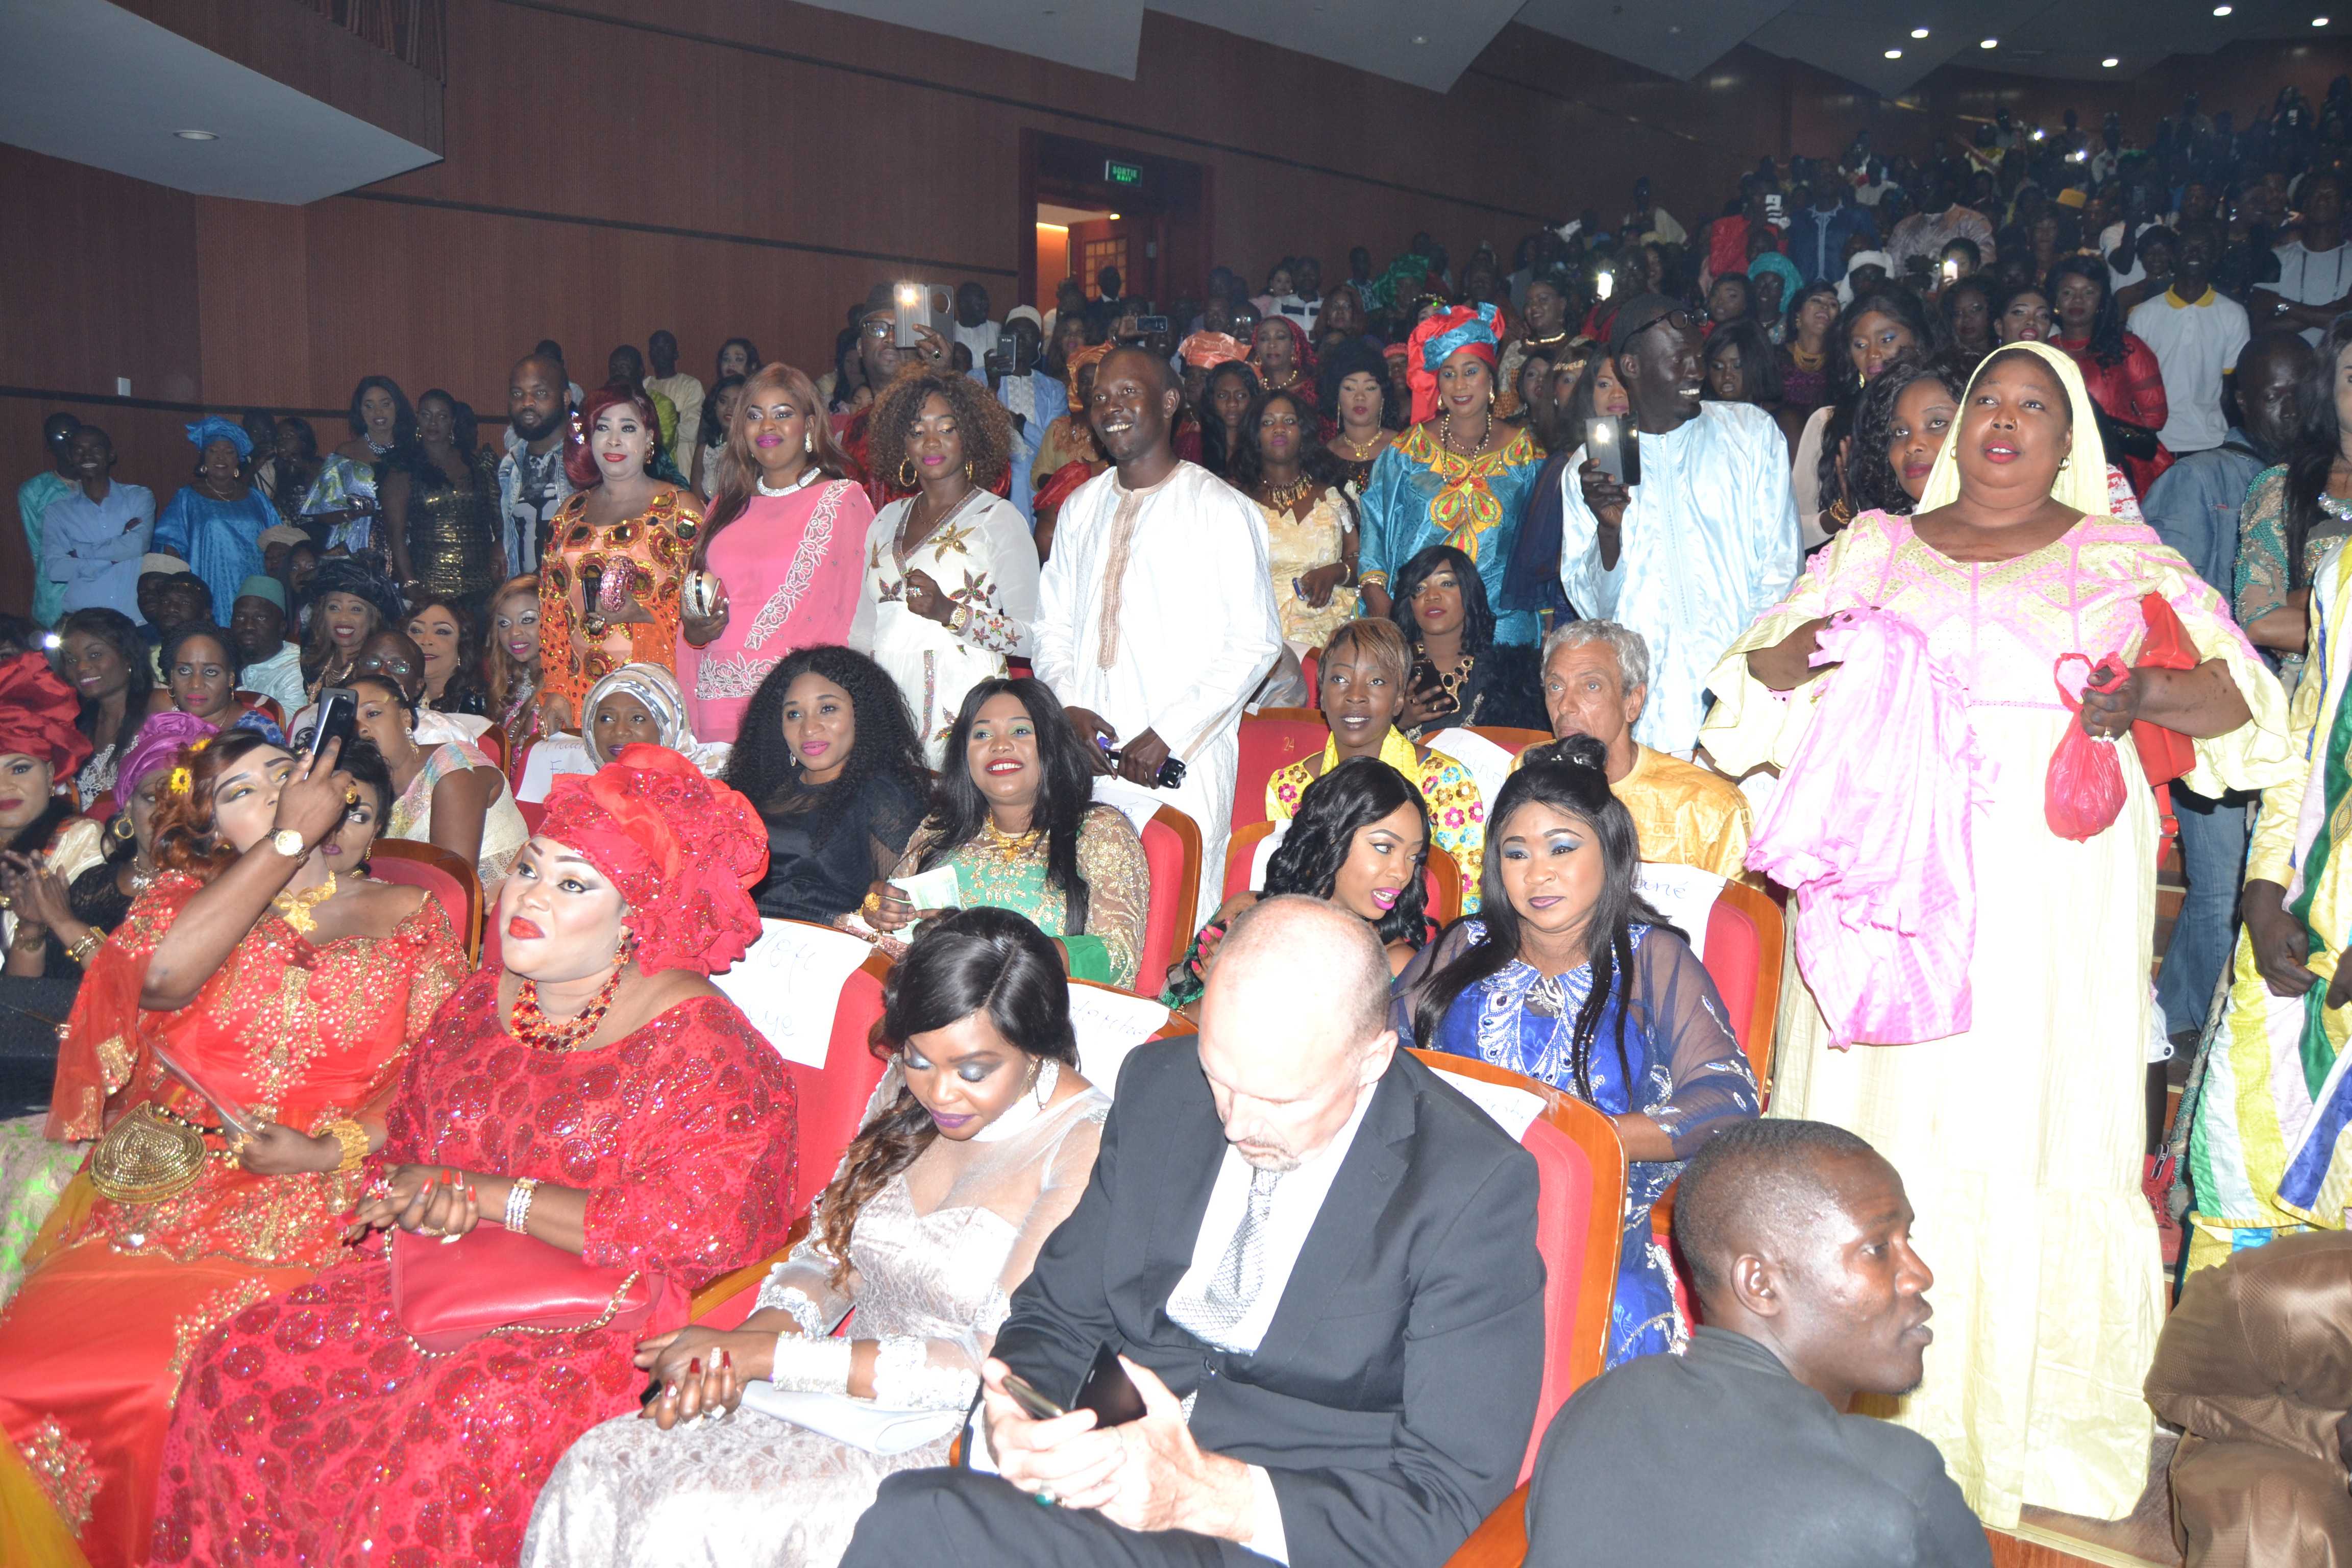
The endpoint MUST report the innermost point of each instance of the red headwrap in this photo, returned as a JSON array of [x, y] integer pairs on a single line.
[[37, 716], [1301, 356], [682, 849], [1437, 340], [1207, 351]]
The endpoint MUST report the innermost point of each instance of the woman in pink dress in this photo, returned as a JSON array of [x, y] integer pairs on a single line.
[[594, 1092], [787, 527]]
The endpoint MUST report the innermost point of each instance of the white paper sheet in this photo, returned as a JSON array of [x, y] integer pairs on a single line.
[[859, 1422], [1109, 1024], [1489, 763], [1512, 1109], [789, 985], [1684, 894]]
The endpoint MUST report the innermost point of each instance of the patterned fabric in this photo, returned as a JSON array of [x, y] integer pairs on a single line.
[[504, 832], [341, 485], [2019, 1141], [643, 560], [219, 540], [1457, 811], [681, 1135], [1423, 493], [33, 1175], [1687, 816], [453, 529], [790, 564], [1672, 1058], [1110, 860], [1296, 546], [302, 1035], [2263, 575], [936, 1255]]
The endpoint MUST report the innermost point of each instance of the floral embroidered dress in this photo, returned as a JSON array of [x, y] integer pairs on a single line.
[[790, 564], [1674, 1060], [643, 561], [504, 832], [2020, 1140], [119, 1296], [314, 1431], [982, 557], [1422, 493], [1296, 545], [1457, 813], [1007, 873], [2263, 582]]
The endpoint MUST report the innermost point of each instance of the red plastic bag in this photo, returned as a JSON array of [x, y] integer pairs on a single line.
[[2164, 754], [2083, 791]]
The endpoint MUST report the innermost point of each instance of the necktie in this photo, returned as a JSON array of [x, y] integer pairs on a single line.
[[1241, 1272]]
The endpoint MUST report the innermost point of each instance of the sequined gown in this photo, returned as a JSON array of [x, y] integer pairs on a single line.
[[1296, 546], [934, 1257], [314, 1431], [119, 1296], [644, 556], [453, 530]]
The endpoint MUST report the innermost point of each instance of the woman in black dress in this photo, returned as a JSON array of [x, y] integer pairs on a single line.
[[1461, 675]]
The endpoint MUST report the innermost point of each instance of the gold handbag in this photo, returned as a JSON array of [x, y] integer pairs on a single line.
[[147, 1156]]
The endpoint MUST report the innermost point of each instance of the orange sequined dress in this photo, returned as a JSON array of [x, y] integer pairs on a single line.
[[119, 1296], [313, 1430], [646, 555]]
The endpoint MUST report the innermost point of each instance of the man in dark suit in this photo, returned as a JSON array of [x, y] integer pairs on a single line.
[[1319, 1265]]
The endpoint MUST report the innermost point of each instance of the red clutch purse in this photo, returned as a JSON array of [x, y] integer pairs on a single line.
[[492, 1280]]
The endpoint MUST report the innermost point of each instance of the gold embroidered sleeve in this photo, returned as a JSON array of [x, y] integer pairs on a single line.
[[1119, 888], [440, 967]]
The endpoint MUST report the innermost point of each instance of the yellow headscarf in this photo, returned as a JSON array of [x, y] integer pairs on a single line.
[[2081, 483]]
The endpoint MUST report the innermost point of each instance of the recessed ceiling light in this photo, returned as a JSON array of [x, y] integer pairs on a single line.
[[2111, 62], [1420, 38], [2220, 10], [1988, 44], [197, 136], [1114, 218], [1918, 32], [2319, 21], [1895, 53]]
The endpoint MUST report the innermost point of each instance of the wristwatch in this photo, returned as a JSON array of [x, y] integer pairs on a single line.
[[288, 842]]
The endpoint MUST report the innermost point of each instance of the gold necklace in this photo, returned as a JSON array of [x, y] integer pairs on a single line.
[[1531, 340], [1282, 498], [1010, 843], [1356, 450], [295, 909], [1283, 386], [1445, 435]]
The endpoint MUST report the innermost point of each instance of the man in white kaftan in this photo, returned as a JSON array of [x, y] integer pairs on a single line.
[[1702, 544], [1156, 618]]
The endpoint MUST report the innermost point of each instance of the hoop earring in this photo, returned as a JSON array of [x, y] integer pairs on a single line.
[[906, 473], [121, 828]]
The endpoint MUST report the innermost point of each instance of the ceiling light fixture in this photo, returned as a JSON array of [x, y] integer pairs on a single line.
[[2319, 21], [1420, 38], [1895, 53], [2111, 62], [197, 136], [1988, 44], [1918, 32], [2220, 10]]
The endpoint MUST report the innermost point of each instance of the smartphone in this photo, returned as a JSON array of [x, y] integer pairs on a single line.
[[1772, 205], [909, 308], [1025, 1395], [1108, 1392], [1147, 325], [339, 708], [1604, 283], [1616, 446], [1951, 268]]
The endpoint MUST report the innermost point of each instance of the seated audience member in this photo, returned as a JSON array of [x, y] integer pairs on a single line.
[[346, 604], [42, 837], [295, 992], [268, 665], [2252, 1366], [200, 671], [1461, 675], [102, 657], [1596, 678], [1797, 1236], [1357, 1389], [449, 794], [977, 1143], [449, 637], [600, 998], [1362, 675], [216, 523], [1015, 817], [1359, 841], [641, 705], [170, 596], [826, 756], [1567, 976], [514, 665]]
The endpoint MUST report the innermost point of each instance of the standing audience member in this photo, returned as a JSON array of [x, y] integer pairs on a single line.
[[736, 356], [625, 367], [1918, 241], [718, 418], [2298, 511], [216, 523], [441, 512], [1353, 391], [268, 664], [2194, 332], [1309, 1395], [1156, 618], [1798, 1239], [2314, 269], [1226, 393], [346, 499], [514, 668], [1689, 556], [949, 587], [2033, 1398], [1311, 535], [94, 535], [972, 327], [1967, 309], [1032, 398], [104, 659], [1805, 347], [292, 469], [2119, 369], [1819, 228], [533, 481], [34, 497], [684, 393], [787, 529]]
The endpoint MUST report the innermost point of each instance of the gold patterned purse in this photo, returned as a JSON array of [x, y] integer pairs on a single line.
[[147, 1156]]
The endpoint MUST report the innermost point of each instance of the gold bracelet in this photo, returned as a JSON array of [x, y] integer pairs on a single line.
[[82, 952], [352, 1136]]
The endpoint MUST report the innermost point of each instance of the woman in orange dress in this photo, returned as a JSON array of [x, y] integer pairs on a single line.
[[292, 993], [629, 530]]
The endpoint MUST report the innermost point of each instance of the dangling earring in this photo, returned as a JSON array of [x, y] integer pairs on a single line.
[[967, 473], [808, 444], [1047, 1074], [621, 949], [121, 828], [906, 473]]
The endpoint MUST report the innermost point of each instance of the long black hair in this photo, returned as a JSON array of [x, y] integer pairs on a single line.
[[1478, 616], [711, 432], [1870, 482], [1930, 334], [404, 423], [1066, 785], [2315, 447], [1247, 465], [1759, 363], [1213, 456], [969, 961], [118, 632], [1567, 776], [762, 769], [2106, 335], [1332, 810]]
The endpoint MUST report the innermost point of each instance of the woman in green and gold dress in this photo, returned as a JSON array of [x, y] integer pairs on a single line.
[[1017, 823], [441, 512]]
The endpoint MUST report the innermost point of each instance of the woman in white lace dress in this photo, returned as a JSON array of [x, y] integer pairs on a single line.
[[978, 1141]]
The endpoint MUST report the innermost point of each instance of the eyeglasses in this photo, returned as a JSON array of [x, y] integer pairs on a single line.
[[877, 329]]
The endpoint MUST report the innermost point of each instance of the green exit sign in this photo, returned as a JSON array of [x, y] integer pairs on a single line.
[[1119, 174]]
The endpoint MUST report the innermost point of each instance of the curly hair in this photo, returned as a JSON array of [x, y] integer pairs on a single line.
[[1246, 465], [1870, 478], [1332, 810], [972, 961], [982, 424], [1478, 616], [185, 839], [763, 770], [711, 432]]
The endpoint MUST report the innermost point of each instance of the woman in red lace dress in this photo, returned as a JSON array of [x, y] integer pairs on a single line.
[[598, 1092]]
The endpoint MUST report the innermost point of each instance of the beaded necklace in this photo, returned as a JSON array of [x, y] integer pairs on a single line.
[[535, 1029]]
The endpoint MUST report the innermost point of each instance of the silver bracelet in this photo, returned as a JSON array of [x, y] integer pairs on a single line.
[[519, 1196]]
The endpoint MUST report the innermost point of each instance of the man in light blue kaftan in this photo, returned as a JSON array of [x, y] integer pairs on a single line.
[[1705, 542]]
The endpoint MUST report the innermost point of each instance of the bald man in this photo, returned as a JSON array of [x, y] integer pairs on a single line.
[[1319, 1264], [1798, 1239], [531, 482], [1155, 613]]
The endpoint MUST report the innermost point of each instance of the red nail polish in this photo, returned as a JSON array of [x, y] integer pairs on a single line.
[[727, 1359], [694, 1367]]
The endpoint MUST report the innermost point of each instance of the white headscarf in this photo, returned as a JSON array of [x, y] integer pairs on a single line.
[[658, 690], [2082, 481], [1877, 259]]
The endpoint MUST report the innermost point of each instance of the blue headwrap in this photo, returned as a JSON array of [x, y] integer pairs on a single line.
[[1462, 328], [212, 428]]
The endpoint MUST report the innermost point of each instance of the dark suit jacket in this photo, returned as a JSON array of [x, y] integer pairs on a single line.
[[1393, 1395]]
